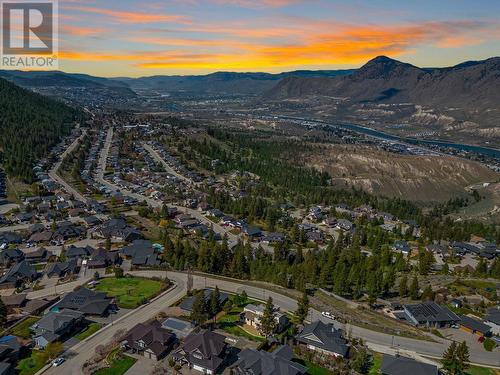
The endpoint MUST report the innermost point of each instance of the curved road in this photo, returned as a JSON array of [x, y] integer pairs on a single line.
[[83, 351]]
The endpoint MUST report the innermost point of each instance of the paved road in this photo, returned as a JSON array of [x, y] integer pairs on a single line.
[[167, 167], [232, 239], [53, 173], [83, 351], [381, 342]]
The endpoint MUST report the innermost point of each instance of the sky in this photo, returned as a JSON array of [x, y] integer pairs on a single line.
[[143, 38]]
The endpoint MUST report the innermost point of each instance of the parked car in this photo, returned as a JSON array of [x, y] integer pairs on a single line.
[[58, 362], [328, 315]]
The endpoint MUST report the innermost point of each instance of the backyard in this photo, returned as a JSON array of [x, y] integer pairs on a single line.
[[229, 323], [130, 292], [22, 329], [32, 364]]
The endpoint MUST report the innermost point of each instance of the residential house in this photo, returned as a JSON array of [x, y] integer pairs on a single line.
[[74, 252], [100, 258], [430, 314], [150, 340], [19, 274], [85, 301], [252, 233], [11, 256], [55, 326], [344, 225], [474, 326], [401, 365], [202, 351], [252, 315], [492, 319], [279, 362], [14, 302], [324, 338], [141, 253], [117, 229], [38, 256], [62, 269], [402, 247], [9, 238], [274, 238], [41, 237], [180, 328], [10, 350]]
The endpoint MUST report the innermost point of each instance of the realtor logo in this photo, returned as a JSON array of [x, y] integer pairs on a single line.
[[29, 37]]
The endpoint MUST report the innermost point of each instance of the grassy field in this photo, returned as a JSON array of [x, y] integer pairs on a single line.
[[130, 292], [377, 362], [474, 370], [32, 364], [312, 369], [90, 330], [119, 366], [23, 329], [229, 323]]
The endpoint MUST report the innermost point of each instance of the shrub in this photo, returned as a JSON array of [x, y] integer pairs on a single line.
[[489, 345]]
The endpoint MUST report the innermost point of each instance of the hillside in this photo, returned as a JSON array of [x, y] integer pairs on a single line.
[[222, 83], [463, 97], [30, 125]]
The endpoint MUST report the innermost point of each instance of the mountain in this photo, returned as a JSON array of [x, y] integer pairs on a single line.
[[51, 79], [227, 83], [30, 124], [471, 86]]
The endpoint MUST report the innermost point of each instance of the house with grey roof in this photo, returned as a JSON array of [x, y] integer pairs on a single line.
[[430, 314], [61, 269], [150, 340], [141, 253], [19, 274], [180, 328], [202, 351], [324, 338], [492, 319], [279, 362], [85, 301], [401, 365], [252, 315], [55, 326], [474, 326]]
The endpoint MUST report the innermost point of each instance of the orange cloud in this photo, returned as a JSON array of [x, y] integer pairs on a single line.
[[133, 17], [83, 31], [344, 44]]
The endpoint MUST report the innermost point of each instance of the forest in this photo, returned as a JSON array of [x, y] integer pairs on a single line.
[[30, 124]]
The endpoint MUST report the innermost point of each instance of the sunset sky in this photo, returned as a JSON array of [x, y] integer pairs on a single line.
[[140, 38]]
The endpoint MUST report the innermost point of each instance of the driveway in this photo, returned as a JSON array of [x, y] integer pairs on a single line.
[[143, 365]]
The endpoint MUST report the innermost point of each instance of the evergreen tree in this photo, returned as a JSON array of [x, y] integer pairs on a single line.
[[302, 309], [362, 362], [462, 357], [199, 312], [268, 319], [403, 286], [215, 306], [414, 288]]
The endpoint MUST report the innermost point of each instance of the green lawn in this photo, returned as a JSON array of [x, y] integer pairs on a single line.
[[130, 292], [33, 364], [312, 369], [377, 362], [229, 323], [22, 329], [119, 366], [474, 370], [89, 330]]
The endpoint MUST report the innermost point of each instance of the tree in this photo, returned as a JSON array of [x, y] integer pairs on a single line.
[[199, 311], [362, 361], [427, 294], [403, 286], [215, 302], [96, 276], [455, 358], [108, 243], [3, 313], [53, 349], [268, 319], [118, 272], [302, 309], [463, 356], [414, 288]]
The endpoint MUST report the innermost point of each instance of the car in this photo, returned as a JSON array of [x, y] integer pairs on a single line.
[[58, 362], [328, 315]]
